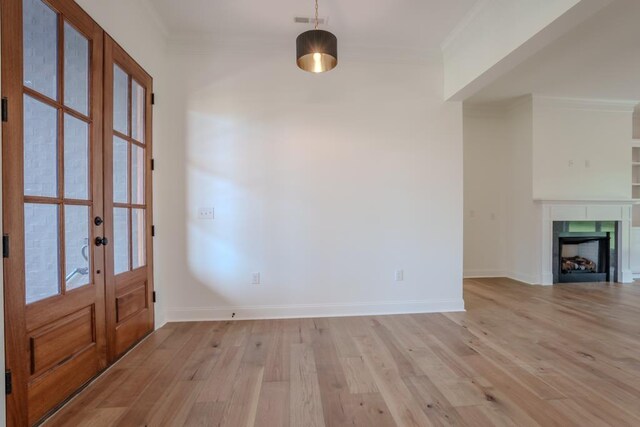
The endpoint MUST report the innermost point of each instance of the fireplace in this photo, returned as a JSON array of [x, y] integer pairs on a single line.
[[585, 216], [584, 257]]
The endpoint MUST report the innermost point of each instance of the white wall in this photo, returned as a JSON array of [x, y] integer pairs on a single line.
[[486, 153], [133, 24], [523, 216], [325, 184], [582, 150]]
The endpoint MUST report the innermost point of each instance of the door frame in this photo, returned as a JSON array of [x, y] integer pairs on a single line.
[[14, 296]]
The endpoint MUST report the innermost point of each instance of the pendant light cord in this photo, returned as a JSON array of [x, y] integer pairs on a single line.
[[316, 14]]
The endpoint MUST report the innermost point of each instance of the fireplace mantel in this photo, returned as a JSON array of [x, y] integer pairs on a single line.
[[586, 210]]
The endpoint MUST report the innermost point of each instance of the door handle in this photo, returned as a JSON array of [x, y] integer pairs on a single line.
[[102, 241], [98, 221]]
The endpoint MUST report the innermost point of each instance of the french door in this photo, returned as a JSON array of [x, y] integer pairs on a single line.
[[76, 197], [127, 138]]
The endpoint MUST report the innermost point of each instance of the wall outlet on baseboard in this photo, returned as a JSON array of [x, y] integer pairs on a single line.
[[205, 213], [399, 275], [255, 279]]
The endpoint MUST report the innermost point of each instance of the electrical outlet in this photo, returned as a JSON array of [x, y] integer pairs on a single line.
[[255, 279], [399, 275], [205, 213]]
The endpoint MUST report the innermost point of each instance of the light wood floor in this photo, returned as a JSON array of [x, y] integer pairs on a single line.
[[521, 355]]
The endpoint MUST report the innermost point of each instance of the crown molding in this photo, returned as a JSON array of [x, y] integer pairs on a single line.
[[587, 104]]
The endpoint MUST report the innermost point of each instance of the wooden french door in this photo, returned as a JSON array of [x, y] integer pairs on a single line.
[[76, 203], [127, 139], [52, 69]]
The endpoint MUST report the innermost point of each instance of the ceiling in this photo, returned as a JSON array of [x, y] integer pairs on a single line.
[[600, 58], [406, 24]]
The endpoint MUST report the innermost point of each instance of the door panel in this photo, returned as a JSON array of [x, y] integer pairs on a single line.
[[60, 340], [127, 161], [52, 78]]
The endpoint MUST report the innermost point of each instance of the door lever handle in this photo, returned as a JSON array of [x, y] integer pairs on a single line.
[[100, 241]]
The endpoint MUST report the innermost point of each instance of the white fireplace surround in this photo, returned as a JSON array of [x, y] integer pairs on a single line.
[[586, 210]]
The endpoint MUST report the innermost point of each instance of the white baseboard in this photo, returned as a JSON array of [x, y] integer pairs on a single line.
[[627, 276], [186, 314], [479, 274], [524, 278]]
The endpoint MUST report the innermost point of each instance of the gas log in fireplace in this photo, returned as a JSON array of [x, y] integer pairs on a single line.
[[584, 257]]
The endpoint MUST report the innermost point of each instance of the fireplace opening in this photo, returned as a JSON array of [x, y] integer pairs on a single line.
[[585, 251], [584, 257]]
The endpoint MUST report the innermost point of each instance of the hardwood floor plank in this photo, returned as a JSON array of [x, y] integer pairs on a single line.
[[305, 407], [273, 405], [358, 377], [206, 414], [219, 385], [243, 404], [404, 408]]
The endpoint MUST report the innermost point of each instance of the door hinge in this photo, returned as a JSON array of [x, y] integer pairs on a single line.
[[5, 246], [154, 296], [153, 99], [8, 383], [5, 109], [153, 231], [153, 164]]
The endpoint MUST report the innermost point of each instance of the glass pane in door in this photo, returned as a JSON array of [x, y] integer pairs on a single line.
[[76, 158], [138, 238], [120, 240], [120, 170], [40, 148], [120, 100], [41, 246], [76, 70], [137, 111], [137, 175], [76, 242], [40, 48]]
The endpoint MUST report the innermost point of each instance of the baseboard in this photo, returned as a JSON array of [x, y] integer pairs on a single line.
[[186, 314], [524, 278], [627, 276], [479, 274], [159, 323]]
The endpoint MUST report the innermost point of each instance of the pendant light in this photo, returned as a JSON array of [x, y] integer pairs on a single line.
[[317, 50]]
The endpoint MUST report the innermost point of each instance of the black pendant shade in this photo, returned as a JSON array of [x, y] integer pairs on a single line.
[[317, 51]]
